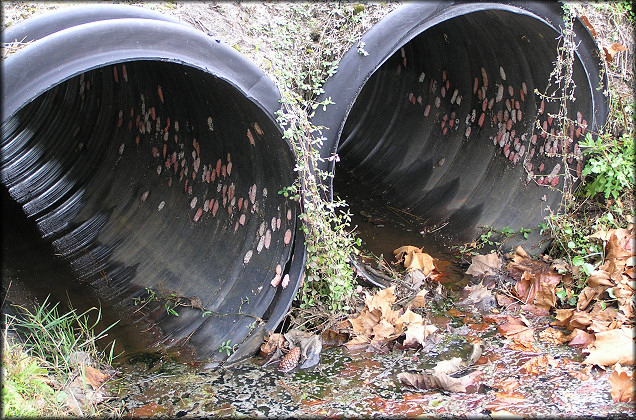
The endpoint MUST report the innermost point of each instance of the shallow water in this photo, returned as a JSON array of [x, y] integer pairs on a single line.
[[160, 382], [347, 384], [31, 273]]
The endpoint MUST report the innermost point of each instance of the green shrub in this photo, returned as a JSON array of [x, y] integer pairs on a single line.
[[609, 165]]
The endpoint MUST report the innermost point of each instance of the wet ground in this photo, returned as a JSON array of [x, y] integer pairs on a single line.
[[347, 384], [514, 379]]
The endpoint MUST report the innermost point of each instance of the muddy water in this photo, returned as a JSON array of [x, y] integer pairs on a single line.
[[349, 384], [382, 227], [156, 382], [31, 273]]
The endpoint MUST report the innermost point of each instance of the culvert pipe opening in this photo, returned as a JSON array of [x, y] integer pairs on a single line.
[[154, 170], [439, 112]]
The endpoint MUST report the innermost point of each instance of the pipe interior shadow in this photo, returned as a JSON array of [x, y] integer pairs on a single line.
[[452, 126], [155, 175]]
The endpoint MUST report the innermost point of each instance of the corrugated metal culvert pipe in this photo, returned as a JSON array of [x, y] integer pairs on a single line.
[[149, 156], [435, 111]]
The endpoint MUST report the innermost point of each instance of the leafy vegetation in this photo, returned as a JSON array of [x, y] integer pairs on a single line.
[[604, 199], [490, 239], [329, 277], [24, 381], [610, 165], [55, 357]]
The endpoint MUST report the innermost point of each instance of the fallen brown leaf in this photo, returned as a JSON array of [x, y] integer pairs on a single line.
[[358, 342], [539, 364], [624, 292], [599, 278], [611, 347], [546, 297], [448, 366], [583, 374], [383, 330], [587, 295], [94, 377], [622, 382], [417, 333], [552, 336], [484, 265], [420, 299], [523, 346], [503, 402], [382, 300], [563, 317], [612, 50], [477, 295], [404, 250], [464, 384], [507, 384], [365, 321], [619, 249], [587, 23], [414, 259], [526, 287], [579, 320], [331, 338], [517, 330], [272, 342], [580, 338]]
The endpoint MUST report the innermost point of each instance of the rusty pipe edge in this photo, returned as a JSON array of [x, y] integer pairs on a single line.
[[435, 111], [148, 155]]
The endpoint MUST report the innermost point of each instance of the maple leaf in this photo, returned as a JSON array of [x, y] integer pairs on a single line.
[[365, 321], [580, 320], [383, 330], [517, 330], [477, 296], [448, 366], [587, 295], [417, 333], [624, 292], [622, 382], [619, 248], [484, 265], [599, 278], [382, 300], [358, 342], [563, 317], [611, 347], [407, 318], [414, 259], [546, 297], [526, 287], [331, 338]]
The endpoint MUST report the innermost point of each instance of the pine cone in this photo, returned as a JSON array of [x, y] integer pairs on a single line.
[[289, 362]]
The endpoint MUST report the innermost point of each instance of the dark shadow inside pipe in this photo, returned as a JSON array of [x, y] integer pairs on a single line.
[[446, 127], [151, 175]]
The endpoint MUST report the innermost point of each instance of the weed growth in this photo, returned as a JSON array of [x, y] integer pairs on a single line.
[[604, 199], [330, 242], [490, 239], [25, 391], [48, 361]]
